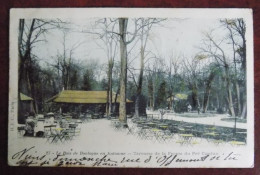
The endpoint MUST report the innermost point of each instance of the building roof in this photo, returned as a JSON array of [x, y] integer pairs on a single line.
[[24, 97], [84, 97], [178, 97]]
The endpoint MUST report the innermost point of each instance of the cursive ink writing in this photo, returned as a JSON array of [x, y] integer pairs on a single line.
[[30, 157], [21, 153]]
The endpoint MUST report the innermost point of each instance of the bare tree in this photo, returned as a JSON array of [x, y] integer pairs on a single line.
[[109, 38], [65, 60], [191, 71], [124, 34], [237, 29], [214, 50], [155, 75], [123, 78], [30, 33], [172, 69], [145, 26], [212, 71]]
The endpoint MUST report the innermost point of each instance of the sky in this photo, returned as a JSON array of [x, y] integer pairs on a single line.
[[173, 36]]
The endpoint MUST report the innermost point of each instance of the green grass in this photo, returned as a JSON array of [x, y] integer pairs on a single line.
[[239, 120], [196, 115]]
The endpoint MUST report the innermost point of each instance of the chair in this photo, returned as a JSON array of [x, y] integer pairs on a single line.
[[78, 127], [162, 136], [67, 134], [72, 127], [147, 134], [95, 116], [49, 132], [132, 128], [21, 130]]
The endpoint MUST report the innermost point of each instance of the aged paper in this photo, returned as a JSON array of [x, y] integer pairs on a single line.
[[120, 87]]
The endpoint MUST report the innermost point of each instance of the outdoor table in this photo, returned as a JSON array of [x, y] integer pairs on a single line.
[[162, 124], [188, 126], [113, 121], [226, 136], [78, 123], [174, 125], [237, 143], [49, 127], [241, 132], [211, 134], [151, 124], [156, 130], [145, 127], [173, 129], [181, 129], [157, 133], [140, 121], [217, 142], [186, 135], [163, 127], [186, 138], [150, 116], [197, 133], [212, 128]]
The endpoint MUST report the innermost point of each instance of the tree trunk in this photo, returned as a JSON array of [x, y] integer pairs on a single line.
[[171, 101], [29, 90], [115, 100], [229, 92], [238, 99], [137, 104], [109, 90], [140, 83], [123, 77], [207, 92], [150, 91], [24, 85], [195, 96], [110, 87], [244, 111], [218, 104], [154, 88], [107, 103], [23, 59], [68, 77]]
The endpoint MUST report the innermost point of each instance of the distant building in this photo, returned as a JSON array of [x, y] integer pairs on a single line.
[[25, 107], [177, 102]]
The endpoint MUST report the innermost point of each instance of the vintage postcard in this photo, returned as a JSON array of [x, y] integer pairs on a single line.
[[121, 87]]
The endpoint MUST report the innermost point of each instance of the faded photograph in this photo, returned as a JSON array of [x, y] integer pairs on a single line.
[[126, 83]]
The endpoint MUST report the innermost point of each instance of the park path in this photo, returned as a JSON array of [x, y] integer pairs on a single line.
[[212, 120]]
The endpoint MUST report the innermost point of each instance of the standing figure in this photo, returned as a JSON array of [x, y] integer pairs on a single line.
[[189, 107]]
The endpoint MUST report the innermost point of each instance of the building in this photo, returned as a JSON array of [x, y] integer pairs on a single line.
[[25, 107], [177, 102], [82, 101]]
